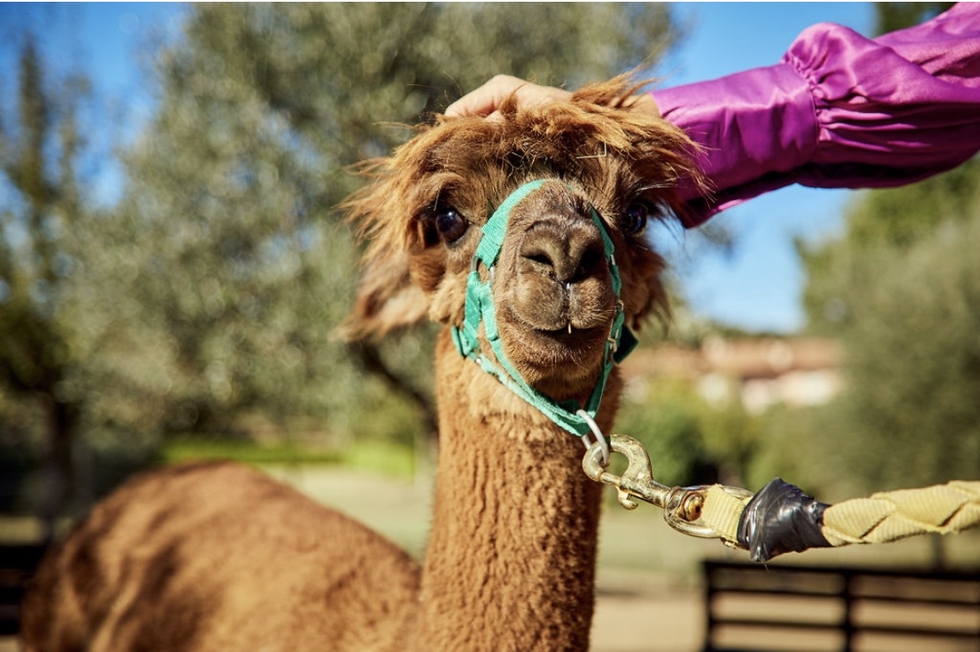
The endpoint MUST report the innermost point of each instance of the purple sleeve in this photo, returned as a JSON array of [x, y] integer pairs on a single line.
[[839, 111]]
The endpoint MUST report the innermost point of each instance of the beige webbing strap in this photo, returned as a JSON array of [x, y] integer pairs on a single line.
[[722, 511], [886, 516]]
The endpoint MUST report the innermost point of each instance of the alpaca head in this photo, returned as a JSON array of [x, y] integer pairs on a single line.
[[604, 172]]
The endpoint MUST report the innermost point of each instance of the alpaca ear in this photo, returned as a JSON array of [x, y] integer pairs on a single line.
[[386, 299]]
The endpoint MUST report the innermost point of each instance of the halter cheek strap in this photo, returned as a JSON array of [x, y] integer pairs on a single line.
[[480, 308]]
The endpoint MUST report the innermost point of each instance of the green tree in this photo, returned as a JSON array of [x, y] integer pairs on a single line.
[[41, 207], [896, 218], [82, 380], [913, 360], [897, 289], [228, 215]]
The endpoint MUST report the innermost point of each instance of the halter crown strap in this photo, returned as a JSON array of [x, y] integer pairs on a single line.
[[480, 307]]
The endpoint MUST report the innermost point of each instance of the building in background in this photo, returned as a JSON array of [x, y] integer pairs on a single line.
[[757, 372]]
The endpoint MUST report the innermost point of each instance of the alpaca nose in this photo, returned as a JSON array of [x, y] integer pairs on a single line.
[[566, 251]]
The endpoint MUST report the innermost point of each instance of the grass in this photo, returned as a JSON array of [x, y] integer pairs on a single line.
[[381, 457]]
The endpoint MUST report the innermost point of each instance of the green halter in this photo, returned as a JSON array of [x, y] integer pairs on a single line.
[[480, 307]]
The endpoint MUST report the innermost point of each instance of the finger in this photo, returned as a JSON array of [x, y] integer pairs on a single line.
[[485, 99], [472, 104]]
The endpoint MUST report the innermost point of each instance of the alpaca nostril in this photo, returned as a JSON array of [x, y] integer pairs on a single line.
[[590, 261], [544, 254], [567, 256], [541, 259]]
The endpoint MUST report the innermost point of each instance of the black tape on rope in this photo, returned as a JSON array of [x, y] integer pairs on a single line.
[[781, 518]]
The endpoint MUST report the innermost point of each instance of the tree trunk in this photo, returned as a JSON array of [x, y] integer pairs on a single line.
[[59, 472]]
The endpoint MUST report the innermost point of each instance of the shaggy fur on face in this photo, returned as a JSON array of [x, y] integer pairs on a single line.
[[423, 211]]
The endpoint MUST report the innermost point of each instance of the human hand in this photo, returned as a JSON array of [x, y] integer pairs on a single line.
[[485, 100]]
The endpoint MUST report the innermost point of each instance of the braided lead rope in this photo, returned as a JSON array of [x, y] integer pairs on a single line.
[[892, 515], [881, 518]]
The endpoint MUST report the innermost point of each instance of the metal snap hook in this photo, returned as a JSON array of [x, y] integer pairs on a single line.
[[682, 505]]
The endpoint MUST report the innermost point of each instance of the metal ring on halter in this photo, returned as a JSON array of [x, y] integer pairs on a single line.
[[599, 438]]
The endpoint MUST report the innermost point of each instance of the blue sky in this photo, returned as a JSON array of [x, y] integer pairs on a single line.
[[757, 288]]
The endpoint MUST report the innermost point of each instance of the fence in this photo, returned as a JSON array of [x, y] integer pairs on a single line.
[[755, 607]]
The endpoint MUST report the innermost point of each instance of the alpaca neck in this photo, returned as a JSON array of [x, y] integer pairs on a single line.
[[511, 555]]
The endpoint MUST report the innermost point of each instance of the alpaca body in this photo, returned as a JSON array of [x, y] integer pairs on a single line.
[[218, 557]]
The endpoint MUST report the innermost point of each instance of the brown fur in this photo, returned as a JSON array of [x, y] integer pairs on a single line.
[[218, 557]]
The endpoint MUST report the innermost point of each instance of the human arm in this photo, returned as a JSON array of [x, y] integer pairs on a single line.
[[839, 111]]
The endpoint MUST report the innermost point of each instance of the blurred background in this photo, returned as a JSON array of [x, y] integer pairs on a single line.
[[172, 265]]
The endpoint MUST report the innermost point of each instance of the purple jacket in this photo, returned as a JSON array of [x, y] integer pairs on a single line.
[[839, 111]]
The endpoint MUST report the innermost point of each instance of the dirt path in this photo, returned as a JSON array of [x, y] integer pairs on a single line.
[[643, 621]]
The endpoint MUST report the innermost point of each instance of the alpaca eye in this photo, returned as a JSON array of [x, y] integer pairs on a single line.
[[449, 224], [635, 217]]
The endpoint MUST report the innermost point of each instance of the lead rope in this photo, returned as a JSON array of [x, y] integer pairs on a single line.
[[881, 518], [781, 518]]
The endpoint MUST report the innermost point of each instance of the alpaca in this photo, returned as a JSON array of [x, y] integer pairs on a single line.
[[214, 556]]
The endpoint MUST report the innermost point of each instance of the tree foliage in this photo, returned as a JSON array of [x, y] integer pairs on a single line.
[[900, 289], [910, 415], [891, 16], [40, 212], [895, 218]]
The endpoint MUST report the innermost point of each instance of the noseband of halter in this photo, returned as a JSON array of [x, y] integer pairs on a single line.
[[480, 307]]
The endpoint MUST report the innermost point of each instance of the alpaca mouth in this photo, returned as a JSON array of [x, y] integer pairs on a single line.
[[555, 351], [560, 364], [565, 327], [573, 337], [577, 330], [560, 308], [555, 329], [570, 330]]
